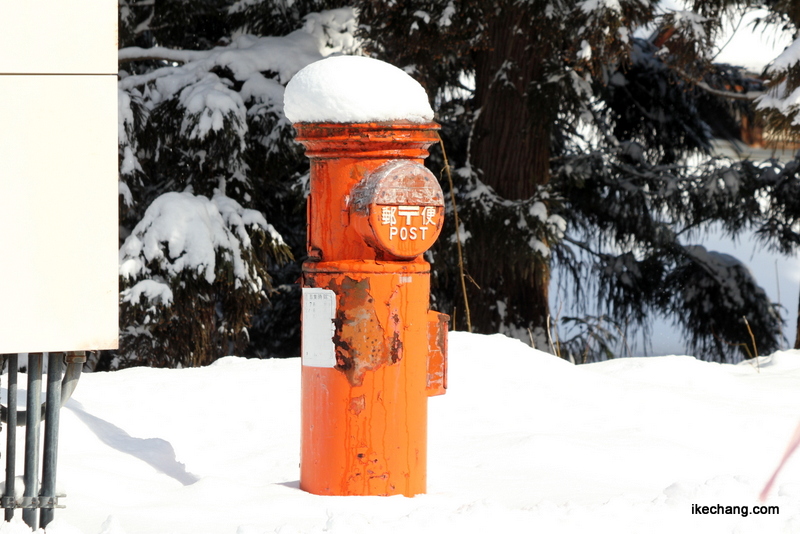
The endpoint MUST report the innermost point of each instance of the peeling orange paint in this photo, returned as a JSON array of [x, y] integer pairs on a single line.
[[364, 417]]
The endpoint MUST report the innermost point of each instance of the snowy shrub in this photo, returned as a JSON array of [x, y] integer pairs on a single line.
[[192, 273], [706, 282], [206, 157]]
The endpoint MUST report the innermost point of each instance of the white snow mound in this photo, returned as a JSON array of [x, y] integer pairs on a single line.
[[349, 89]]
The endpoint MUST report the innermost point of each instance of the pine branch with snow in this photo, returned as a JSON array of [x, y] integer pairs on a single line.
[[205, 153], [707, 284], [780, 106], [193, 271]]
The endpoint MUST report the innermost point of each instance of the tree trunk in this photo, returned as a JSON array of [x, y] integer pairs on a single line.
[[511, 149], [511, 143], [797, 335]]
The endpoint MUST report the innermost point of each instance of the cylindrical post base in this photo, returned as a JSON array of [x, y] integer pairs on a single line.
[[364, 417]]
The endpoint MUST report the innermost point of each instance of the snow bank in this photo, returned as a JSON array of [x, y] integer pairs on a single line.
[[355, 89], [522, 442]]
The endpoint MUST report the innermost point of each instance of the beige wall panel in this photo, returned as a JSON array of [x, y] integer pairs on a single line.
[[58, 213], [58, 36]]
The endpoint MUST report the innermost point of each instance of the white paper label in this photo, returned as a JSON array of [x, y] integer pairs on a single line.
[[319, 309]]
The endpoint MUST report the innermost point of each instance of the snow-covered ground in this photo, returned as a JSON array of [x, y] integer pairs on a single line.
[[522, 442]]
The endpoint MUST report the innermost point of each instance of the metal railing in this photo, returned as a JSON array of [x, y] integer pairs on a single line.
[[59, 389]]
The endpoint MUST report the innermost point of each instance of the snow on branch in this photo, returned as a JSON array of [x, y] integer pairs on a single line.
[[323, 34], [750, 95], [183, 233], [783, 99], [718, 294], [220, 91], [691, 24], [244, 57], [153, 291], [789, 58], [588, 6], [724, 269], [135, 53], [335, 28], [783, 96], [208, 102]]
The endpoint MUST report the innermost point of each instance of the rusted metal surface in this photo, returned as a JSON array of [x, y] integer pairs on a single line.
[[437, 353], [341, 155], [398, 209], [365, 420], [396, 183], [365, 390], [362, 342]]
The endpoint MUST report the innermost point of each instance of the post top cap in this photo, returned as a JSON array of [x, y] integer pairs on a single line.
[[355, 89]]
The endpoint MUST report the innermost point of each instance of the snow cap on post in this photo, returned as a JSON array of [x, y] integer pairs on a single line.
[[355, 89]]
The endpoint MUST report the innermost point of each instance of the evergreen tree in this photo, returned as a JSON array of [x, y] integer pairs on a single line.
[[781, 109], [573, 140], [570, 141], [205, 154]]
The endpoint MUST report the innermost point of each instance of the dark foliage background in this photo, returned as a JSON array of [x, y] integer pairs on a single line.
[[572, 146]]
